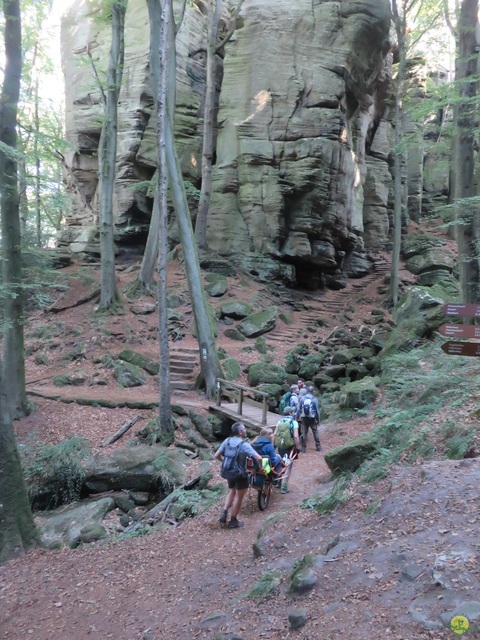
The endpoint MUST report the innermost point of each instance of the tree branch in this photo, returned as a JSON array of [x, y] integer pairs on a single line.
[[233, 28]]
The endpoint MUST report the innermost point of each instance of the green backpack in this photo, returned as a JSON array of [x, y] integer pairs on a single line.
[[285, 401], [284, 436]]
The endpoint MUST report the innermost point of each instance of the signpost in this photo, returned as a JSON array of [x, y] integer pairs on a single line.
[[461, 348], [460, 330], [461, 310]]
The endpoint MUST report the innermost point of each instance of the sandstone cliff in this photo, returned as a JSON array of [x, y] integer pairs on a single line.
[[301, 179]]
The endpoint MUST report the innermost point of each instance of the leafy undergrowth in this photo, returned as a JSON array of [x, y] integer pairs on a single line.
[[428, 411]]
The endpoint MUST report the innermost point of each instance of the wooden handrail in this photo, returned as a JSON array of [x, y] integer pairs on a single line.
[[241, 389]]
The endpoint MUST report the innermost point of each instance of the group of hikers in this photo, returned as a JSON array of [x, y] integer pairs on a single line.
[[281, 445]]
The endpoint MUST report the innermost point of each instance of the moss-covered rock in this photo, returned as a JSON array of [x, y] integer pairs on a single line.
[[261, 345], [235, 309], [234, 334], [275, 392], [350, 456], [129, 375], [266, 373], [258, 323], [311, 365], [75, 379], [216, 285], [139, 360], [431, 259], [295, 357], [417, 315], [344, 356], [359, 394], [419, 242], [231, 369]]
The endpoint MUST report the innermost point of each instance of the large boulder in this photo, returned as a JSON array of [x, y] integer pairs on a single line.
[[266, 373], [139, 360], [359, 394], [216, 285], [417, 315], [140, 468], [258, 323], [129, 375], [235, 309], [65, 527], [350, 456]]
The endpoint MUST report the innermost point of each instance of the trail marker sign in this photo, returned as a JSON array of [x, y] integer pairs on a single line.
[[460, 330], [461, 310], [461, 348]]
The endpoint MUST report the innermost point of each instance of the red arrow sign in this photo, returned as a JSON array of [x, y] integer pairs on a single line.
[[461, 310], [459, 331], [461, 348]]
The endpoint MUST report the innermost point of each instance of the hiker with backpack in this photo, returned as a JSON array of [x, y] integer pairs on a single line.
[[309, 412], [285, 400], [287, 441], [234, 453]]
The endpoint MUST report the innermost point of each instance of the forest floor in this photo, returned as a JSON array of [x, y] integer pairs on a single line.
[[397, 559]]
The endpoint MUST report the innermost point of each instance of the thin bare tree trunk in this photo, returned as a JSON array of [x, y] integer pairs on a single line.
[[13, 339], [107, 154], [466, 214], [165, 409], [214, 9]]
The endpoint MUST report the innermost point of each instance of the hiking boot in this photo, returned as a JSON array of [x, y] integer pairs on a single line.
[[284, 489], [234, 523], [319, 448], [223, 516]]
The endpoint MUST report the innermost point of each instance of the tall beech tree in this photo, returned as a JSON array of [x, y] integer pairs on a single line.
[[214, 10], [467, 217], [13, 371], [17, 529], [209, 362], [107, 154], [158, 234]]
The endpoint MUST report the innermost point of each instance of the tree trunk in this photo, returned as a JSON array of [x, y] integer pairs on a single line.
[[13, 340], [165, 409], [147, 268], [107, 154], [38, 219], [214, 9], [209, 362], [17, 528], [467, 214], [400, 27]]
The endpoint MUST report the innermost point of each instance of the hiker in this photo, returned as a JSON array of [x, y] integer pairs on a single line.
[[234, 453], [309, 412], [263, 445], [287, 441], [285, 399], [293, 402]]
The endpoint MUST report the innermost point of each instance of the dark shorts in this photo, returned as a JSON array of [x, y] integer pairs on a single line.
[[282, 452], [239, 483]]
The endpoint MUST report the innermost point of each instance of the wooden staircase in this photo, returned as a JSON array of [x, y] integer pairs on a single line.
[[184, 366]]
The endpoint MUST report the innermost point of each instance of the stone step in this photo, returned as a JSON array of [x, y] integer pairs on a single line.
[[180, 369], [186, 386], [183, 357]]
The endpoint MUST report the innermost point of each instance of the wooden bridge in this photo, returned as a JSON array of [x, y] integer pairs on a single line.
[[238, 403]]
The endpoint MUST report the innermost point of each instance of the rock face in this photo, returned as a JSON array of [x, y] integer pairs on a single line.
[[301, 181]]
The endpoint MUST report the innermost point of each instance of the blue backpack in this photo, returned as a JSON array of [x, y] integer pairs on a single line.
[[233, 463]]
